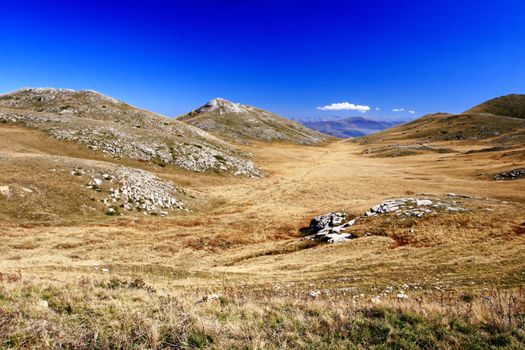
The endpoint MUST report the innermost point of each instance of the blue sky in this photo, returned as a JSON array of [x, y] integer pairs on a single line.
[[286, 56]]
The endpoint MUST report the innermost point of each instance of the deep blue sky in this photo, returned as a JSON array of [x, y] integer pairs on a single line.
[[286, 56]]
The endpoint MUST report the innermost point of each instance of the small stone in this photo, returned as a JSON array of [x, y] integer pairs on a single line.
[[43, 304], [313, 294], [211, 297]]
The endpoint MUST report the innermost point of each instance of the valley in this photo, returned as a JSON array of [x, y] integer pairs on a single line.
[[230, 253]]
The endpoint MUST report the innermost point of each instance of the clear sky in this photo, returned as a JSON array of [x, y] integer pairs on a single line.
[[290, 57]]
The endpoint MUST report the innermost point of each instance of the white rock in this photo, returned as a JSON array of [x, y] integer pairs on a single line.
[[423, 202], [43, 304], [314, 294], [402, 296], [376, 300], [210, 297], [4, 190]]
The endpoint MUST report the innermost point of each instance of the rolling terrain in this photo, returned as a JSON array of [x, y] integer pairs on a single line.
[[244, 124], [434, 259]]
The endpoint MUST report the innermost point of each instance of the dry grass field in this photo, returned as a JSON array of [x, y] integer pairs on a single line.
[[234, 272]]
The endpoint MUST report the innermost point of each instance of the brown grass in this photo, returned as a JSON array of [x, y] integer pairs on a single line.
[[242, 241]]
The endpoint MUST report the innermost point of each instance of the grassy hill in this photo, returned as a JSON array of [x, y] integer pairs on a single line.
[[512, 105], [243, 124], [481, 126]]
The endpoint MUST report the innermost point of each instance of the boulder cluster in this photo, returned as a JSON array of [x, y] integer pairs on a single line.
[[332, 227], [511, 175], [127, 189]]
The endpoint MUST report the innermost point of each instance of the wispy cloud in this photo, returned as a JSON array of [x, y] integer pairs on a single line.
[[344, 106], [412, 112], [377, 109], [398, 110]]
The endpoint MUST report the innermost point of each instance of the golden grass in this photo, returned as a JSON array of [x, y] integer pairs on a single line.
[[242, 241]]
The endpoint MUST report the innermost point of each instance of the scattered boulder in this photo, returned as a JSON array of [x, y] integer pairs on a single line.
[[328, 227], [514, 174], [129, 189], [321, 222], [332, 227]]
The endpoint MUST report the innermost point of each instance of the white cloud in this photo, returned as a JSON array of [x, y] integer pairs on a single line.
[[345, 106], [377, 109], [412, 112], [398, 110]]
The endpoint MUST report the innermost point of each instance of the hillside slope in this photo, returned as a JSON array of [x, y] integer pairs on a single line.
[[449, 127], [244, 123], [512, 105], [348, 127], [119, 130], [484, 131]]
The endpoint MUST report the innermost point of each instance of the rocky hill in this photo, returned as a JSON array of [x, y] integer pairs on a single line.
[[349, 127], [512, 105], [243, 123], [119, 130]]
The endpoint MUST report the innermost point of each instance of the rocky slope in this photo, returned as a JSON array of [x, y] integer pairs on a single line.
[[119, 130], [243, 123], [348, 127]]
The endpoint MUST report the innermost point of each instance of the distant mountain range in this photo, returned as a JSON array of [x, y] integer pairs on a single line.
[[349, 127]]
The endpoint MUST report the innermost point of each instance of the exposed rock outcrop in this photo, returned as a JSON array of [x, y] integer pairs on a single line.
[[514, 174], [332, 227]]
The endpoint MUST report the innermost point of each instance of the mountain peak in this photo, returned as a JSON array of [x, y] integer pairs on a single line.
[[223, 106], [242, 123]]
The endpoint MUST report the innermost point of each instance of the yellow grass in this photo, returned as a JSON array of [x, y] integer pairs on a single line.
[[242, 241]]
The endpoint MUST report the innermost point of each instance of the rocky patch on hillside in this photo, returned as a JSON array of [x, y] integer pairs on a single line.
[[335, 227], [514, 174], [127, 189]]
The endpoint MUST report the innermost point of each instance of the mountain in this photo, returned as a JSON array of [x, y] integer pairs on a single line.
[[348, 127], [479, 125], [243, 124], [512, 105], [119, 130]]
